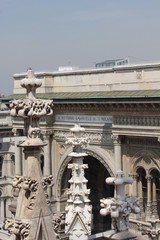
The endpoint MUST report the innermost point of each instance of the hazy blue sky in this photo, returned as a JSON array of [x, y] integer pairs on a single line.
[[45, 34]]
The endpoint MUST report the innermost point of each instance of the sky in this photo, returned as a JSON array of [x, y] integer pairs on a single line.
[[46, 34]]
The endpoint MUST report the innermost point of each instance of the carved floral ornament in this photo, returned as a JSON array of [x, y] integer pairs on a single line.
[[94, 137], [46, 183], [59, 222], [153, 230], [116, 139], [31, 185], [31, 109], [17, 228], [76, 139]]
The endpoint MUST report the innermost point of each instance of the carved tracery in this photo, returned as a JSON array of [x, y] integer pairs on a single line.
[[146, 159]]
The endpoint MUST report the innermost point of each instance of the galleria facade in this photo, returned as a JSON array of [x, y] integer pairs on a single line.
[[120, 111]]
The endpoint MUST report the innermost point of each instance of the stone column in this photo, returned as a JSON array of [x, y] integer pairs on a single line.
[[9, 165], [53, 165], [154, 198], [140, 195], [47, 158], [2, 208], [18, 163], [8, 203], [134, 185], [47, 165], [18, 160], [117, 152], [4, 166], [149, 198]]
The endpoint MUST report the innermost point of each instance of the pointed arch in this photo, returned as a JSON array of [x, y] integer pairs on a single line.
[[96, 152], [146, 159]]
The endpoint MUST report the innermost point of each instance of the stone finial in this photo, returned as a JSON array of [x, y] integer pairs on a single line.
[[31, 83], [121, 205], [119, 182], [77, 140], [31, 109]]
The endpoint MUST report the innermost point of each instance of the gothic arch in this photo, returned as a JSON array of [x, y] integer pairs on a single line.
[[145, 159], [95, 152]]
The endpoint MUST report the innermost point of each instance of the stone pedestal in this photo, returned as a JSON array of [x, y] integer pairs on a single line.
[[149, 198]]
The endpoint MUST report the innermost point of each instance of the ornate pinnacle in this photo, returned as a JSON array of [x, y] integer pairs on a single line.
[[31, 83], [31, 109], [77, 141]]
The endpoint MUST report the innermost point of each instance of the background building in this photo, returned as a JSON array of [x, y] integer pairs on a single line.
[[112, 63], [120, 110]]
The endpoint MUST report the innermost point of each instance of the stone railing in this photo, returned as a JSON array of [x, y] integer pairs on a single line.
[[137, 121], [139, 227]]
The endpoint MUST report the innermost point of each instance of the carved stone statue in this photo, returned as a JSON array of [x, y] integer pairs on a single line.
[[120, 207]]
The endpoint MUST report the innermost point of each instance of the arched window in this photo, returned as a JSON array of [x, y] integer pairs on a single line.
[[142, 189], [1, 163], [42, 163], [155, 192]]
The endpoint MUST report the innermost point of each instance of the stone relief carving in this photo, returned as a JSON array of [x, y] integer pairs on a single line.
[[116, 139], [97, 138], [146, 159], [47, 182], [152, 231], [17, 181], [59, 222], [30, 185], [58, 134], [17, 228]]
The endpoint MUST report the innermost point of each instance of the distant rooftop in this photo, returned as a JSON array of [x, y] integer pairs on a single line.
[[113, 62]]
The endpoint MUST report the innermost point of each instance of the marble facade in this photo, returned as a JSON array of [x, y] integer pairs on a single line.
[[123, 130]]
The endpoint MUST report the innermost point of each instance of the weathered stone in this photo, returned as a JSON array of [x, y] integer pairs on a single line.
[[33, 218], [78, 209]]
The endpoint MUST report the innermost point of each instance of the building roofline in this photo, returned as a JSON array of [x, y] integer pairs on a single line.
[[126, 67], [106, 96]]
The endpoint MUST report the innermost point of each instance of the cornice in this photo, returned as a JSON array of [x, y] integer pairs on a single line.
[[131, 67], [144, 107]]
